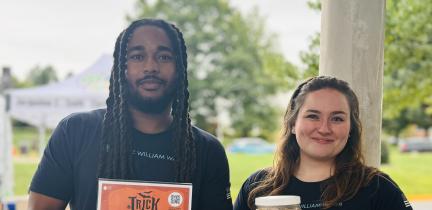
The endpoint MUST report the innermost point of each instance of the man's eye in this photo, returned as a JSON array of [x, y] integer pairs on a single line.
[[136, 57], [165, 58]]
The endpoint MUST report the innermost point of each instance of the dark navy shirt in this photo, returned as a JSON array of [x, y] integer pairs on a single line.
[[380, 194], [68, 169]]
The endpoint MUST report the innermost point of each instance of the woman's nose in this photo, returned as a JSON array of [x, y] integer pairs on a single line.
[[324, 127]]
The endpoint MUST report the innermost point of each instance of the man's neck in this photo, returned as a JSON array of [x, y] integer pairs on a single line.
[[151, 123]]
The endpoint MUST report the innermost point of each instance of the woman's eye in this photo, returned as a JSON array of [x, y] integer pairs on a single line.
[[338, 119], [312, 116]]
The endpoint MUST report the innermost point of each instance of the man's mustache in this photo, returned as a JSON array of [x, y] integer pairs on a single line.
[[150, 78]]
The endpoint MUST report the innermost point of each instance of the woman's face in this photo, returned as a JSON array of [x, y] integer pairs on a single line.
[[323, 125]]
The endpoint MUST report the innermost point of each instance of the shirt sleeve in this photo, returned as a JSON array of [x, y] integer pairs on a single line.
[[53, 176], [241, 202], [389, 195], [215, 190]]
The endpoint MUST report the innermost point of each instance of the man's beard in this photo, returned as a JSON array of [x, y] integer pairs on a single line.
[[151, 105]]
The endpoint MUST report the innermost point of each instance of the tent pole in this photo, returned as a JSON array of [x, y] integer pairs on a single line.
[[41, 130], [6, 162]]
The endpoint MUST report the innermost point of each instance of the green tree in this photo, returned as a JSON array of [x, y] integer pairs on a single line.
[[395, 126], [407, 69], [407, 63], [9, 80], [231, 58], [420, 117], [16, 83], [310, 58], [408, 53], [41, 75]]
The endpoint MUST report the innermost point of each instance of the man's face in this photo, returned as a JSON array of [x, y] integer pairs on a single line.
[[151, 71]]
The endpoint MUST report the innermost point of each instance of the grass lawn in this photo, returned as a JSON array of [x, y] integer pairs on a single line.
[[243, 165], [411, 171], [23, 174], [24, 136]]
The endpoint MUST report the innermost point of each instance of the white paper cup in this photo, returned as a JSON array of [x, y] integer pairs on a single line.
[[278, 202]]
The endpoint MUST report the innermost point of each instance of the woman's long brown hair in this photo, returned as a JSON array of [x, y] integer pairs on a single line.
[[350, 171]]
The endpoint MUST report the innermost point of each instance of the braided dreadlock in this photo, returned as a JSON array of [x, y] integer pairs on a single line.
[[116, 150]]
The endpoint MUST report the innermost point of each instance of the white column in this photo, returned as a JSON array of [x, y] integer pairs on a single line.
[[6, 162], [352, 49]]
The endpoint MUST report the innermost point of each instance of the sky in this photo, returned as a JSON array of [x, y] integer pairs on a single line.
[[71, 35]]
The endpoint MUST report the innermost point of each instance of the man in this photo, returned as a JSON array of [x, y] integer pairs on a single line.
[[144, 134]]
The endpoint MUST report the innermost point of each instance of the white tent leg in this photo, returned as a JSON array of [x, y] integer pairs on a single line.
[[6, 162], [41, 130]]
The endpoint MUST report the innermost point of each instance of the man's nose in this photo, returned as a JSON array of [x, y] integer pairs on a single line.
[[150, 65]]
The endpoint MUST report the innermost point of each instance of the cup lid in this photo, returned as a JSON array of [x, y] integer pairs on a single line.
[[277, 200]]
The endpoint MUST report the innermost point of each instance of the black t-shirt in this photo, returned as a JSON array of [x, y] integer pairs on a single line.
[[380, 194], [154, 156], [68, 169]]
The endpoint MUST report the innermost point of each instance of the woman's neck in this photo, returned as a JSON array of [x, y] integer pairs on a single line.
[[312, 170]]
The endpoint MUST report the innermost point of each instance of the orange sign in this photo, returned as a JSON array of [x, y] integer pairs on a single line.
[[132, 195]]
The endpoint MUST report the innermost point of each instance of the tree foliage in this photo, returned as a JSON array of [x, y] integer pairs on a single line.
[[408, 53], [41, 75], [421, 117], [407, 63], [231, 59], [310, 58], [397, 125], [408, 67]]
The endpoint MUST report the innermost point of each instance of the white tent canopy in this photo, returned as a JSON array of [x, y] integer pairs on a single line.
[[45, 106]]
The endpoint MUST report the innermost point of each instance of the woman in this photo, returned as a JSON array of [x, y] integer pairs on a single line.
[[320, 156]]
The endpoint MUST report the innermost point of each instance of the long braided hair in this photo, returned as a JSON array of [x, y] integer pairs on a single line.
[[116, 150]]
